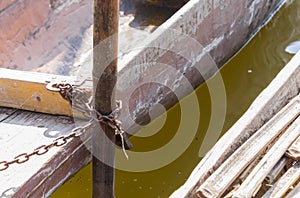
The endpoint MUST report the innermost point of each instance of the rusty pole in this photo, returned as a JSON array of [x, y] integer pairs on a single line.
[[104, 80]]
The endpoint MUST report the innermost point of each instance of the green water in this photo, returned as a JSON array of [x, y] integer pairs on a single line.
[[245, 76]]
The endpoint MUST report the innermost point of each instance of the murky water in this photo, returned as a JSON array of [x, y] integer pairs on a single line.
[[245, 76]]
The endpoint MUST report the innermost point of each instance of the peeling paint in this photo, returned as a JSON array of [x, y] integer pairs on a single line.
[[215, 42], [252, 10], [195, 20]]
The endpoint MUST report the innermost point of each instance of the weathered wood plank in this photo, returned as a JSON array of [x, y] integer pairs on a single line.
[[284, 183], [27, 90], [295, 192], [294, 150], [242, 157], [163, 3], [270, 159], [277, 169], [5, 113], [285, 86], [24, 131], [248, 170]]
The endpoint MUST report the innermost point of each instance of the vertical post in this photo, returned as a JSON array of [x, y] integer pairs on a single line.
[[104, 80]]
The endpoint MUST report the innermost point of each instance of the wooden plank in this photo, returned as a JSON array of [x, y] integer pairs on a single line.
[[294, 151], [164, 3], [242, 157], [284, 87], [284, 183], [248, 170], [278, 168], [5, 113], [45, 36], [261, 170], [295, 192], [21, 133], [27, 90]]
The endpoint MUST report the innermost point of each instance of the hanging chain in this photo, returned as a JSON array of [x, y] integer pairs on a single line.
[[41, 150], [79, 101]]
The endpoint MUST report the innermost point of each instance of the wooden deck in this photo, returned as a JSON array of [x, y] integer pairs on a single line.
[[22, 132]]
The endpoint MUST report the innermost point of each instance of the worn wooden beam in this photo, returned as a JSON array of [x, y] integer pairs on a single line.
[[242, 157], [105, 42], [294, 151], [27, 90], [285, 182], [295, 192], [262, 169], [163, 3], [277, 169]]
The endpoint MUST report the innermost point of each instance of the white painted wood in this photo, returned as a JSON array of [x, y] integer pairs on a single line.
[[270, 159], [22, 132], [282, 185], [295, 192], [277, 169], [243, 156], [294, 150]]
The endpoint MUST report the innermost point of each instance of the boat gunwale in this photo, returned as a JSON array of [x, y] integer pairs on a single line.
[[284, 87], [170, 23]]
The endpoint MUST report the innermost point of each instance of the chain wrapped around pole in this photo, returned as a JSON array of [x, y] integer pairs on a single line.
[[79, 101]]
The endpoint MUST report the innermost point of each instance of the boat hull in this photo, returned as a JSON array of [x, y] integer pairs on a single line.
[[168, 64], [279, 92]]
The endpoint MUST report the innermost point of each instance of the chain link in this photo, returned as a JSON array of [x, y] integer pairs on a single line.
[[79, 101], [41, 150]]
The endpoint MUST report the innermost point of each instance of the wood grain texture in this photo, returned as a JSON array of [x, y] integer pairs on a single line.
[[27, 90], [284, 183], [261, 170], [294, 150], [105, 42], [295, 192], [243, 156], [23, 131]]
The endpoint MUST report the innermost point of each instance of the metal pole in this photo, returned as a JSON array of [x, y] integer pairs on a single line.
[[105, 26]]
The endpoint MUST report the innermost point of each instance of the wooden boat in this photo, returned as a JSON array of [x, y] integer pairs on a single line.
[[250, 159], [195, 41]]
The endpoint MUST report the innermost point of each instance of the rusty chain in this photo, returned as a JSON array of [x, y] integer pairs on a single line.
[[41, 150], [79, 101]]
